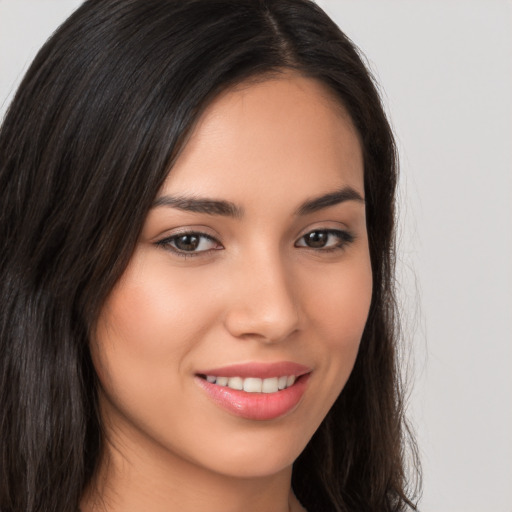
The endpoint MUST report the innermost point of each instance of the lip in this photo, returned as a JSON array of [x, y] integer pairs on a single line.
[[259, 370], [257, 406]]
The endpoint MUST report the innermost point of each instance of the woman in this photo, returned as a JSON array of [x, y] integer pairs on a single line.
[[197, 263]]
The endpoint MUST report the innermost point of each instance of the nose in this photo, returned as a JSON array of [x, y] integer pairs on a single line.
[[263, 304]]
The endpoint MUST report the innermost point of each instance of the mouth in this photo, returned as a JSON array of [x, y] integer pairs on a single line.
[[256, 391], [252, 384]]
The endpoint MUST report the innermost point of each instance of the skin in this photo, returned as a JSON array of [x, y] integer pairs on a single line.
[[258, 292]]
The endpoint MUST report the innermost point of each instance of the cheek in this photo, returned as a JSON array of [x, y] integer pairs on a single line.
[[339, 316], [153, 316], [145, 339], [340, 308]]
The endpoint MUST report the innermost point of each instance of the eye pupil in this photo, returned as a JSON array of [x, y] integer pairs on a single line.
[[187, 242], [316, 239]]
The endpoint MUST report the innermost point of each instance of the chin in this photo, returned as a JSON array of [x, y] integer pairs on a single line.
[[256, 452]]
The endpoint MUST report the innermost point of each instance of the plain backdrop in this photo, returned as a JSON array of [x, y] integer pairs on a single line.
[[445, 68]]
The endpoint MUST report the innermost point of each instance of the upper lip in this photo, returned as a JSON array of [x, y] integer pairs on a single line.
[[259, 370]]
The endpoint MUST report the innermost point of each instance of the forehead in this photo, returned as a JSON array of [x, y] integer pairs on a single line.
[[285, 130]]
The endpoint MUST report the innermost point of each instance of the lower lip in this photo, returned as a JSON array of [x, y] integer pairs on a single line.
[[256, 406]]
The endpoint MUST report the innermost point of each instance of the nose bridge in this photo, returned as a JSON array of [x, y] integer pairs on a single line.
[[264, 304]]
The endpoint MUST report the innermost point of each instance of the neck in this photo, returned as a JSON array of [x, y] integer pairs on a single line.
[[142, 476]]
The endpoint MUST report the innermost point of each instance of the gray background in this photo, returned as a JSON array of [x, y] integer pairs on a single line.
[[446, 71]]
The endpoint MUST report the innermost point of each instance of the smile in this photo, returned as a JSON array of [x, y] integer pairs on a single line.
[[256, 391], [253, 384]]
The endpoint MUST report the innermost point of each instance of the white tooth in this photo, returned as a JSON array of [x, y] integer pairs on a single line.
[[281, 382], [222, 381], [290, 380], [270, 385], [236, 383], [211, 378], [252, 385]]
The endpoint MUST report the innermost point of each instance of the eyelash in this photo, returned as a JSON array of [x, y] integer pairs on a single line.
[[344, 238]]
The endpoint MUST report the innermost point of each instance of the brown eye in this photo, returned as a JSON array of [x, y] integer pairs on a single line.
[[316, 239], [325, 239], [189, 244]]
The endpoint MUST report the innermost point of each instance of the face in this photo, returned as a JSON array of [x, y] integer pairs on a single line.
[[238, 319]]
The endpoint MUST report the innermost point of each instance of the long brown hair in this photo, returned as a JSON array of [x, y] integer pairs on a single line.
[[91, 134]]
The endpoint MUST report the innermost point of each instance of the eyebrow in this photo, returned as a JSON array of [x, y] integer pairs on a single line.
[[201, 205], [229, 209], [333, 198]]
